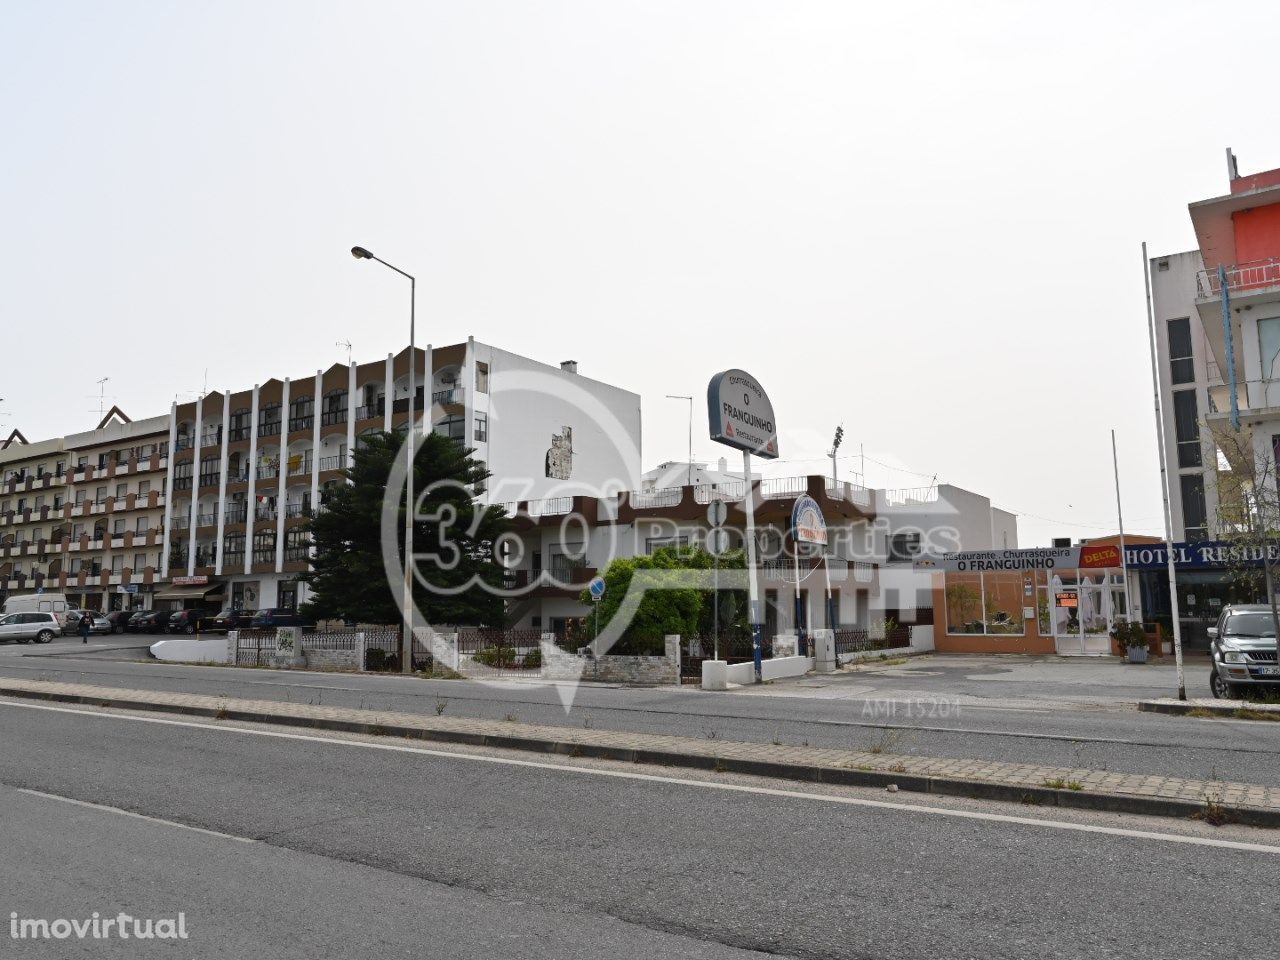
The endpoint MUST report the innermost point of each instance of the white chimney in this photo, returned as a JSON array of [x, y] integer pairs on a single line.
[[724, 465], [569, 366]]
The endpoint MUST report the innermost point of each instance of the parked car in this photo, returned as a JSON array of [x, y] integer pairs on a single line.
[[189, 621], [154, 622], [278, 617], [1243, 647], [25, 627], [134, 623], [232, 620], [119, 620], [55, 603]]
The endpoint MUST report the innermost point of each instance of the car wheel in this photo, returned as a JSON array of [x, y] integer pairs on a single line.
[[44, 636], [188, 629], [1220, 688]]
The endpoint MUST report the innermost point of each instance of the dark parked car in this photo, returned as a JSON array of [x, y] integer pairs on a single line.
[[232, 620], [153, 622], [190, 621], [119, 620], [134, 623], [278, 617]]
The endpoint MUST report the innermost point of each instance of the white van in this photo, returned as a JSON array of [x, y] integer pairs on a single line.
[[55, 603]]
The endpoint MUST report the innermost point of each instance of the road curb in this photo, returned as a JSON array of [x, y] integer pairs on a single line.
[[721, 763], [1220, 708]]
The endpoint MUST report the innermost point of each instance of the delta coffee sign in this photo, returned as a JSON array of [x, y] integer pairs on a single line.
[[741, 415]]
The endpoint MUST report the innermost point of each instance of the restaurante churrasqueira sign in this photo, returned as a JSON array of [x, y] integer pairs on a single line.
[[740, 414], [1036, 558]]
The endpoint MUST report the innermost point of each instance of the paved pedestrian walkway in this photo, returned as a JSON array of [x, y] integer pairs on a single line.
[[1028, 783]]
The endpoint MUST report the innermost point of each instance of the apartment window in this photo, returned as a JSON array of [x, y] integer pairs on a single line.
[[139, 562], [102, 460], [75, 565], [482, 378], [39, 501], [59, 468], [117, 564], [482, 427], [141, 525], [269, 420], [1186, 427], [1194, 515], [117, 529], [1181, 357], [77, 531], [79, 498], [904, 547], [238, 425], [82, 462], [122, 491], [100, 496], [452, 427], [58, 501], [334, 409], [144, 487]]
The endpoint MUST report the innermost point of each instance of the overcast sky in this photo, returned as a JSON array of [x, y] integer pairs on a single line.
[[920, 220]]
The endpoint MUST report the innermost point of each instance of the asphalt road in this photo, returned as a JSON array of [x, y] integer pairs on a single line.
[[378, 848], [1077, 713]]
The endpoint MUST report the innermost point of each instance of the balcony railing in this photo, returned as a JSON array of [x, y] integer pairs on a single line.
[[297, 510], [650, 499], [911, 495], [270, 428], [330, 417], [268, 472], [267, 555], [299, 466], [237, 514], [239, 433], [264, 512], [207, 519], [1245, 276], [211, 438], [332, 463], [233, 558], [370, 411], [297, 552], [301, 423], [209, 479], [449, 395]]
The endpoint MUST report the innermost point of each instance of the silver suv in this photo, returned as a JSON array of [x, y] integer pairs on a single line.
[[25, 627], [1243, 647]]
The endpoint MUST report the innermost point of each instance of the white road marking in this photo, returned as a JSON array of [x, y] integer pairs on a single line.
[[653, 778], [130, 813]]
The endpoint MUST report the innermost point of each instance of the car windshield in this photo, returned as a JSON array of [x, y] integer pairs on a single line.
[[1249, 625]]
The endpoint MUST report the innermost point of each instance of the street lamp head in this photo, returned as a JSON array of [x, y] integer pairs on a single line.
[[360, 253]]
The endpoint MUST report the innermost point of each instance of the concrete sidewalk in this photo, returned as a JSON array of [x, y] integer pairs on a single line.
[[1027, 783]]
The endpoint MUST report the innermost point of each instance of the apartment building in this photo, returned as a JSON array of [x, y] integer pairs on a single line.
[[1202, 360], [81, 514]]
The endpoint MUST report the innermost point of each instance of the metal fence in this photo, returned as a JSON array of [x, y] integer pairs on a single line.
[[510, 652]]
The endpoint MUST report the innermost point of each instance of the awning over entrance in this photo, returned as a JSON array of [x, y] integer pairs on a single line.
[[196, 592]]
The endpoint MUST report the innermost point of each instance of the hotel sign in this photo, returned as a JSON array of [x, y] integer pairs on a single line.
[[189, 581], [740, 414]]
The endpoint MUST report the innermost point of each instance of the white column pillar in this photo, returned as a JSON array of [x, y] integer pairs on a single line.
[[351, 414], [251, 503], [281, 476], [315, 441], [222, 482], [168, 491], [195, 487], [389, 392]]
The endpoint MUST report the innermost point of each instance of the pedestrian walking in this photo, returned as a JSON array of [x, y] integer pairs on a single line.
[[86, 624]]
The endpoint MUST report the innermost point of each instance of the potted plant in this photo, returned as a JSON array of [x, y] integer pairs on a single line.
[[1130, 635]]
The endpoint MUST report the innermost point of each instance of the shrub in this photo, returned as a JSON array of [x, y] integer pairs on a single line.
[[1129, 633], [496, 656], [375, 659], [533, 660]]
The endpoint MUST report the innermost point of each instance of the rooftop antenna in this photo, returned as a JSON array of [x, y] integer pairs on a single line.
[[347, 344], [102, 397]]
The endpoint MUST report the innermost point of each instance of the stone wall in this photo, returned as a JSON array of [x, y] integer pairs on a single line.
[[646, 671]]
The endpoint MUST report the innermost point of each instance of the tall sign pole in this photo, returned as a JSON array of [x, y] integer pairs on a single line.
[[1124, 559], [740, 415]]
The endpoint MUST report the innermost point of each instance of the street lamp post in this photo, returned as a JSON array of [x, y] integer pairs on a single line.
[[406, 654]]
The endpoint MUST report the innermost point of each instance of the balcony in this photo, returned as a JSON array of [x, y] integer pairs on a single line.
[[233, 558], [211, 438], [270, 428], [1244, 277], [332, 463], [330, 417], [210, 479], [301, 423], [448, 395], [207, 519], [238, 433], [237, 514], [297, 552], [269, 472], [299, 465], [293, 510], [265, 556], [370, 412], [264, 511]]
